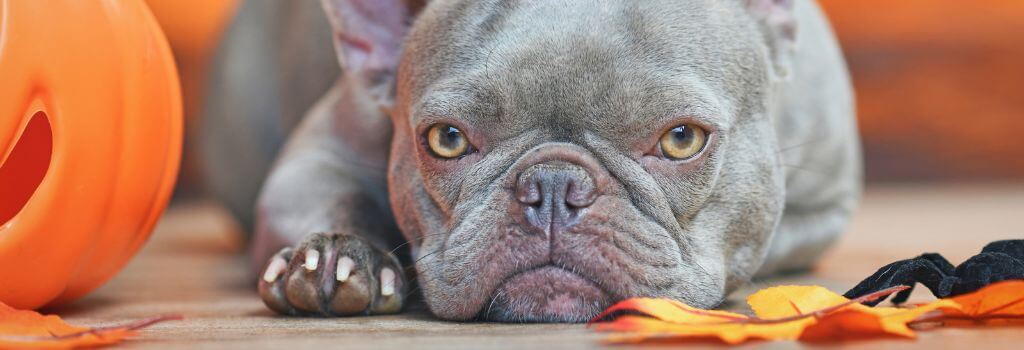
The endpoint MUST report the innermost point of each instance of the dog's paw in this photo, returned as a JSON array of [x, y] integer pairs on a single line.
[[332, 274]]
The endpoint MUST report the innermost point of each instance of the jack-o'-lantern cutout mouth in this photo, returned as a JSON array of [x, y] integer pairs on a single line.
[[24, 165]]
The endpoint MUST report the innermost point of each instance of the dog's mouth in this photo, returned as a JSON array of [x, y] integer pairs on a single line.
[[546, 294]]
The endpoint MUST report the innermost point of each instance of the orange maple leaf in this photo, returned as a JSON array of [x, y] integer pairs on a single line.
[[997, 303], [22, 329], [782, 313]]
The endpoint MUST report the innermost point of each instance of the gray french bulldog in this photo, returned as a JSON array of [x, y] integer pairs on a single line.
[[543, 159]]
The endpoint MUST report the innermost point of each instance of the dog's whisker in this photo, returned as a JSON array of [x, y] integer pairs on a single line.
[[802, 144], [494, 298], [421, 238], [813, 171], [419, 282]]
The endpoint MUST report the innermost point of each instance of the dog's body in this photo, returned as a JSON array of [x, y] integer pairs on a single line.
[[565, 201]]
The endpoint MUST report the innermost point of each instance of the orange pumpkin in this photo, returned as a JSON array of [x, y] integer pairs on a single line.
[[90, 140]]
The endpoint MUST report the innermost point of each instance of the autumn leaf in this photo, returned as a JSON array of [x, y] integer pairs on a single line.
[[671, 319], [852, 320], [22, 329], [997, 303], [808, 313]]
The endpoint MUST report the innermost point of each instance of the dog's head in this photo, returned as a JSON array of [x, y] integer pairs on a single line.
[[552, 157]]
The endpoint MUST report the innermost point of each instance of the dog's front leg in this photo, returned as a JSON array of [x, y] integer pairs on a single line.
[[325, 202], [324, 232]]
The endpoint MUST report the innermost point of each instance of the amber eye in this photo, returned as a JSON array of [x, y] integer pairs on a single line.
[[683, 142], [447, 141]]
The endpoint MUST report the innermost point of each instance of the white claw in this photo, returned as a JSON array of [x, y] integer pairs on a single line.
[[312, 259], [274, 269], [345, 265], [387, 282]]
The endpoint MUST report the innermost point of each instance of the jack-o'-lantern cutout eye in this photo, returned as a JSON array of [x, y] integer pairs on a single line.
[[447, 141], [26, 165], [683, 142]]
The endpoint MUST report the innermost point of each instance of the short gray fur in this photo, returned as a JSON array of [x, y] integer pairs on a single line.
[[589, 83]]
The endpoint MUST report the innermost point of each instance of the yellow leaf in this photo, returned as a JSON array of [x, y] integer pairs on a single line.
[[852, 322], [809, 313], [673, 319], [786, 301], [672, 311]]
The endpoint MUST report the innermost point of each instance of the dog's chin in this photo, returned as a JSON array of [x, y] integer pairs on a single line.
[[546, 294]]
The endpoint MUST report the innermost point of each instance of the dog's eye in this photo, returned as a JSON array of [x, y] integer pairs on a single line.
[[683, 142], [447, 141]]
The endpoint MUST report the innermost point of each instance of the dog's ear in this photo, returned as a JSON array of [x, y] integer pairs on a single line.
[[368, 37], [778, 23]]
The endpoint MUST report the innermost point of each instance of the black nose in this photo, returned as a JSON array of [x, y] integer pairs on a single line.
[[554, 195]]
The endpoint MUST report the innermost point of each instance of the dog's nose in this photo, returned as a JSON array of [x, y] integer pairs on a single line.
[[554, 195]]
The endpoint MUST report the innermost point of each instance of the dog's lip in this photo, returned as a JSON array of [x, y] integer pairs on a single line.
[[569, 296], [512, 276]]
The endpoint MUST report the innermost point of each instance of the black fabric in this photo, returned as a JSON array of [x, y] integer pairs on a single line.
[[998, 261]]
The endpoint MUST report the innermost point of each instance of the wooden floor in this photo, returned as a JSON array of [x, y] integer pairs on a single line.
[[192, 265]]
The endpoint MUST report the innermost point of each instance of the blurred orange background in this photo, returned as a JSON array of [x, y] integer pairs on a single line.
[[940, 86], [193, 28], [940, 83]]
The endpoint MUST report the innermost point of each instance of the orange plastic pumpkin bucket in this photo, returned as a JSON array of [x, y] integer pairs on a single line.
[[90, 140]]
